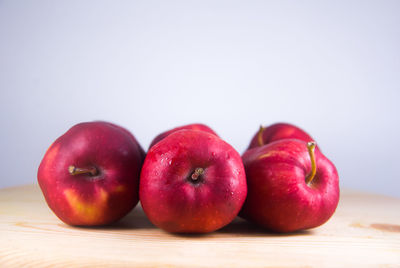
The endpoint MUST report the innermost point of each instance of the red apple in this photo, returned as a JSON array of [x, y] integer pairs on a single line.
[[192, 182], [290, 187], [200, 127], [276, 132], [90, 175]]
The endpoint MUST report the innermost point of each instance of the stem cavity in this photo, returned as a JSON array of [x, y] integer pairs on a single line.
[[92, 171], [311, 148]]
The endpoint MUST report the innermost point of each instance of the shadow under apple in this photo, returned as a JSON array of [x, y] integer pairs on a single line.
[[136, 219], [241, 227]]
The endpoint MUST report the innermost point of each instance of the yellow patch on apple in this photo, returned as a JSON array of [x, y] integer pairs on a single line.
[[90, 211]]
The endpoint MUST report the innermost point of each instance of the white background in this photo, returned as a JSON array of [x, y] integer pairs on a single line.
[[332, 68]]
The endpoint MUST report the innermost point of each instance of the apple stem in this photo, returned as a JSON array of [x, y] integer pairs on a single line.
[[260, 136], [76, 171], [311, 148], [197, 172]]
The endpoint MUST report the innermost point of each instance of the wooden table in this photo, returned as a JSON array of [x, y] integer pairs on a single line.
[[364, 232]]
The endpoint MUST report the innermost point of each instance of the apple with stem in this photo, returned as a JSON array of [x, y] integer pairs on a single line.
[[192, 182], [278, 131], [290, 186], [90, 175], [200, 127]]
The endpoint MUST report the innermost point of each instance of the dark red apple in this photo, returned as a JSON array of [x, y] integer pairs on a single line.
[[90, 175], [290, 187], [192, 182], [200, 127], [276, 132]]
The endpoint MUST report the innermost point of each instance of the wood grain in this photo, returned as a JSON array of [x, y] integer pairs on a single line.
[[364, 232]]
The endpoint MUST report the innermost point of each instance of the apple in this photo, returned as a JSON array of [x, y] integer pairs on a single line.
[[200, 127], [276, 132], [290, 186], [90, 175], [192, 182]]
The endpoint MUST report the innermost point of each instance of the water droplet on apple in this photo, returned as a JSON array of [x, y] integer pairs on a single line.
[[213, 153], [170, 162]]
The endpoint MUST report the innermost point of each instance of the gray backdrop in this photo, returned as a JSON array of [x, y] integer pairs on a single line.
[[332, 68]]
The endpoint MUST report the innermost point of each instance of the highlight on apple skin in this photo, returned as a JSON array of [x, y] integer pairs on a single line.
[[90, 175], [278, 131], [291, 187], [192, 182], [199, 127]]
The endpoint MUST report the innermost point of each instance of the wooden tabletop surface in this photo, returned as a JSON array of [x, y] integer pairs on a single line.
[[364, 232]]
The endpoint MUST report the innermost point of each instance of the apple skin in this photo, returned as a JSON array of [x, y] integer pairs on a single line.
[[279, 131], [142, 152], [85, 199], [278, 197], [200, 127], [175, 202]]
